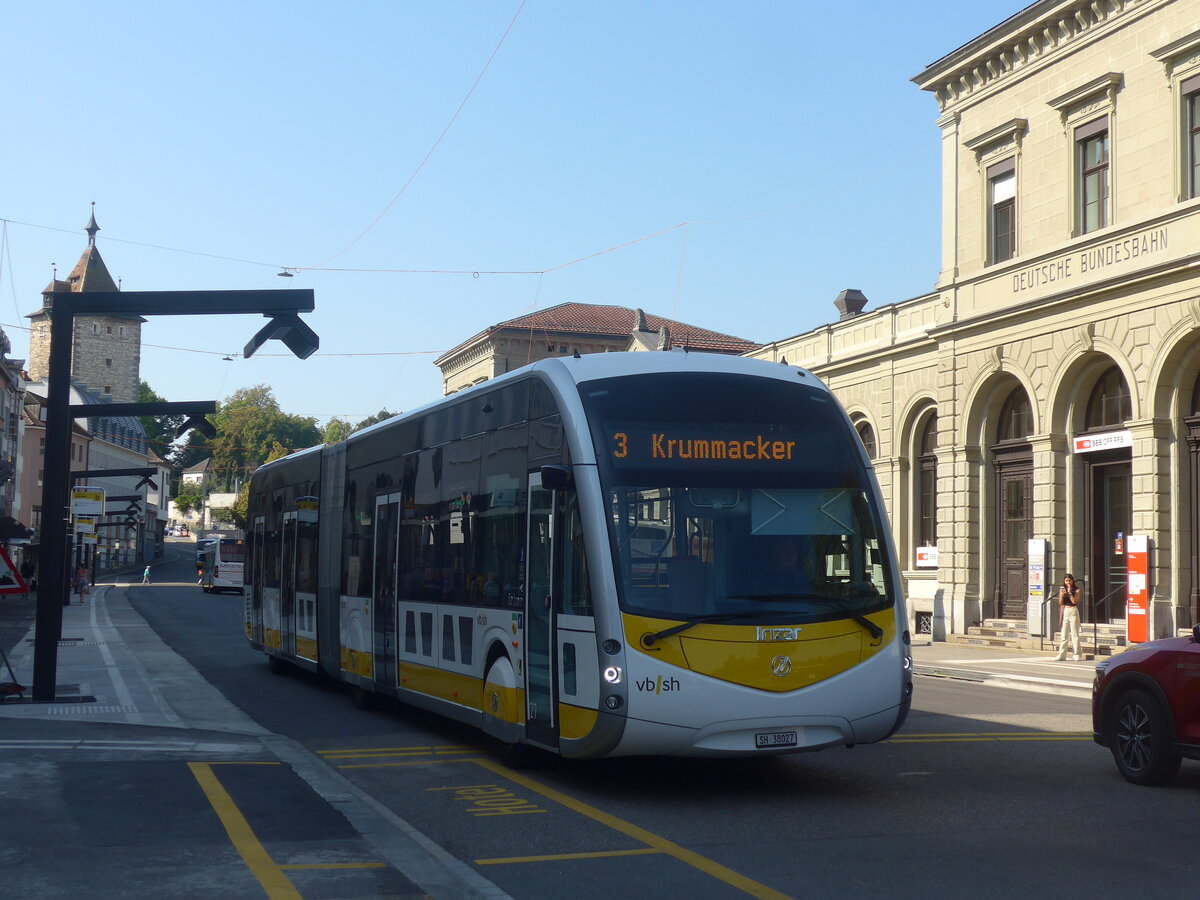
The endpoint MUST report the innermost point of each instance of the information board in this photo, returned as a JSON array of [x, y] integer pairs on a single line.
[[1035, 599], [87, 501]]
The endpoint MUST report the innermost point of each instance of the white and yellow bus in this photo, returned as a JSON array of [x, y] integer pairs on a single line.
[[625, 553], [222, 563]]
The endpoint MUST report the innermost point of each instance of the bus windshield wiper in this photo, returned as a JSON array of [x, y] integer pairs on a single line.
[[874, 630], [650, 640]]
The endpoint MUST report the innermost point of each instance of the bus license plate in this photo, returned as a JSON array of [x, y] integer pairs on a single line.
[[767, 739]]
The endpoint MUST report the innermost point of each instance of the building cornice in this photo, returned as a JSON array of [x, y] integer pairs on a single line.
[[1107, 84], [1169, 54], [1012, 130], [1034, 35]]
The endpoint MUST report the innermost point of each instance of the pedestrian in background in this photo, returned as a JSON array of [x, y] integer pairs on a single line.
[[82, 584], [146, 576], [1070, 598]]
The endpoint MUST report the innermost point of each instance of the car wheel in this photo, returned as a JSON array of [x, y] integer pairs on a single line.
[[1140, 740]]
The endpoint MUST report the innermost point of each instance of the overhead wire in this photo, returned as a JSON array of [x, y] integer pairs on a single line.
[[437, 143], [475, 272]]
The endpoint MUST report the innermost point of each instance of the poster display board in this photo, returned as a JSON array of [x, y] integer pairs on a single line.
[[1035, 606], [1137, 607]]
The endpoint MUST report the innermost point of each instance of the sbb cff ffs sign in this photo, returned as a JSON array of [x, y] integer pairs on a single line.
[[1137, 609], [1094, 443]]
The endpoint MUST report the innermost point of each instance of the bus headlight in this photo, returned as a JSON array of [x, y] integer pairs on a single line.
[[614, 675], [612, 701]]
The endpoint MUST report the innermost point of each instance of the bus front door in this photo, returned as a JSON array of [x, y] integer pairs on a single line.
[[541, 725]]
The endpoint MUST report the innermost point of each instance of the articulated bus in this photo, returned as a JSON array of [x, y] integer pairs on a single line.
[[627, 553], [222, 563]]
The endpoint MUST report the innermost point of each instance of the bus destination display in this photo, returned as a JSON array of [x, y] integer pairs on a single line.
[[741, 445]]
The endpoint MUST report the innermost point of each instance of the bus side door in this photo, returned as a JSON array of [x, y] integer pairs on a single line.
[[287, 584], [541, 724]]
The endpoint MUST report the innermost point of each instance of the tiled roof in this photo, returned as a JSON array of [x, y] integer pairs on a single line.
[[589, 319]]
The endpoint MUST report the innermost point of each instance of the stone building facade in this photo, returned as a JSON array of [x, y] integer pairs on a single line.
[[570, 328], [1048, 387]]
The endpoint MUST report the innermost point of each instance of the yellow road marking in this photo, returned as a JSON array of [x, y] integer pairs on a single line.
[[555, 857], [388, 751], [352, 754], [689, 857], [257, 860], [415, 762]]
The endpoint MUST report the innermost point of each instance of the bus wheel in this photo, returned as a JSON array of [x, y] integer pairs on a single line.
[[501, 716], [361, 697], [277, 665]]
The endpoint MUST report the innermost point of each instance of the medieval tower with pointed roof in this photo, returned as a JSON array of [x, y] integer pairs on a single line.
[[106, 350]]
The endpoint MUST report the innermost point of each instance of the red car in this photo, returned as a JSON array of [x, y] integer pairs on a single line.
[[1146, 707]]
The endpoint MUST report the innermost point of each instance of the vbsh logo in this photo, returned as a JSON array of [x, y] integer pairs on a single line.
[[657, 685]]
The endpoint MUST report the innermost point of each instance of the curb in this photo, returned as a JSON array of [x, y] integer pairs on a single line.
[[1018, 682]]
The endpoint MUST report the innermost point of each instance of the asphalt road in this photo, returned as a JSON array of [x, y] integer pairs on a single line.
[[987, 792]]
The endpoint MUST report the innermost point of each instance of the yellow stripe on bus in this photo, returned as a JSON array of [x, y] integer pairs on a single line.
[[306, 648], [575, 722], [454, 687], [742, 655]]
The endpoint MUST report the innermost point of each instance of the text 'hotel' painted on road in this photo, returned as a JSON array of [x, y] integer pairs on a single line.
[[1091, 260]]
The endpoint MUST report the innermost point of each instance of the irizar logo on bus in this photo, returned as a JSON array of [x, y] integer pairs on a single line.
[[657, 685], [777, 634]]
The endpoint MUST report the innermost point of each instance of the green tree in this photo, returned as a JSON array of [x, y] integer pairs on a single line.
[[160, 430], [251, 429], [188, 497], [240, 507], [337, 430], [371, 420]]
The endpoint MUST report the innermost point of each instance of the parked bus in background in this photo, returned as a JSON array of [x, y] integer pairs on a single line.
[[624, 553], [221, 563]]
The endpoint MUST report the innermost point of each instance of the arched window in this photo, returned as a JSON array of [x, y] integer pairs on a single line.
[[927, 484], [866, 434], [1016, 417], [1109, 404]]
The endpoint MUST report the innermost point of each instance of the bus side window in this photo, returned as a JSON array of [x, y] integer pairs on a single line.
[[576, 590]]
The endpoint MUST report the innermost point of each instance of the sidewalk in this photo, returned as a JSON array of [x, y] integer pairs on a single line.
[[113, 668], [1004, 668]]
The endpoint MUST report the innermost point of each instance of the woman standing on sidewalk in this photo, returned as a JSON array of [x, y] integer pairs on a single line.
[[1070, 598], [82, 585]]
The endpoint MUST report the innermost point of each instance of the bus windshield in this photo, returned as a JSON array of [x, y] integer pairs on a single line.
[[805, 554], [729, 494]]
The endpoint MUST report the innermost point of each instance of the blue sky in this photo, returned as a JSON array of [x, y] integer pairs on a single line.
[[782, 146]]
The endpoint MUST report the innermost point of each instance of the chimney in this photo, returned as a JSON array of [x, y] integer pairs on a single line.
[[850, 303]]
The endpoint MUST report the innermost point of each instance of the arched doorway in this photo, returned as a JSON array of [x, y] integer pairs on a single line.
[[1013, 462], [927, 493], [1108, 481], [1192, 424]]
